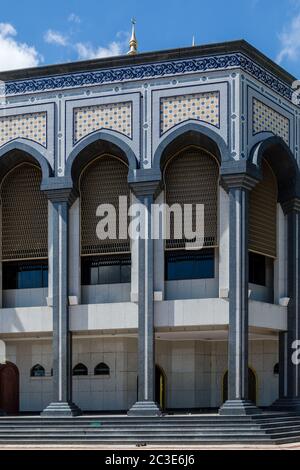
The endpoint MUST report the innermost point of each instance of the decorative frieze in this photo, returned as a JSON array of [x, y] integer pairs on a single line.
[[266, 119], [200, 106], [32, 126], [114, 116]]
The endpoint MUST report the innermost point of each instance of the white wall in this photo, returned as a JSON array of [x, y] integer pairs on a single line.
[[106, 293], [25, 297], [194, 372]]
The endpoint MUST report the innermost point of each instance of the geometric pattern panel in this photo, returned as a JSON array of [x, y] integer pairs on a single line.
[[29, 126], [115, 116], [267, 119], [200, 106], [24, 214]]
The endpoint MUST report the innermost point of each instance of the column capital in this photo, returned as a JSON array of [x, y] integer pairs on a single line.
[[292, 205], [60, 189], [239, 180], [145, 182]]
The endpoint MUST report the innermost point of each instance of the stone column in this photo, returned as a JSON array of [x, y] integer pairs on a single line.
[[2, 361], [237, 403], [145, 406], [289, 360], [62, 404]]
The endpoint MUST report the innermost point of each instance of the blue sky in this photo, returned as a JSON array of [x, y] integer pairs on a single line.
[[36, 32]]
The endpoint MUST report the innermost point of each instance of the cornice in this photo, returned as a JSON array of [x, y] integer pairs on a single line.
[[148, 71]]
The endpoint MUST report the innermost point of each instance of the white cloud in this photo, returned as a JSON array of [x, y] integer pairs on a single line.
[[290, 41], [14, 54], [87, 51], [73, 18], [119, 46], [55, 37]]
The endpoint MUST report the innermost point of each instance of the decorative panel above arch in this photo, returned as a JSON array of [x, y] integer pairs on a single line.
[[266, 119], [114, 116], [203, 107], [32, 126]]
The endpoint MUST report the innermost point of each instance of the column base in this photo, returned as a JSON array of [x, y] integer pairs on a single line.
[[145, 408], [239, 408], [61, 409], [286, 404]]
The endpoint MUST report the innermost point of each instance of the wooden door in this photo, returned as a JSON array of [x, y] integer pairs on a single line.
[[9, 388]]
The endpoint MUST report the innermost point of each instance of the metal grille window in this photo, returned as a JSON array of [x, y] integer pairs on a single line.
[[102, 182], [263, 214], [191, 177], [24, 215]]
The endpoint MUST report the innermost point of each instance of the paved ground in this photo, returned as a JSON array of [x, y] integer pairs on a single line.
[[294, 446]]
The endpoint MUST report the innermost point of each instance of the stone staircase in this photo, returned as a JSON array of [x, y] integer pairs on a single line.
[[266, 428]]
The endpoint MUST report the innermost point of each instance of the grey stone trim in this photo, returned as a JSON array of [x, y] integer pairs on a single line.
[[239, 408], [8, 158], [196, 127], [291, 206], [283, 163], [60, 190], [239, 180], [95, 137], [62, 336], [289, 398], [238, 403], [145, 406]]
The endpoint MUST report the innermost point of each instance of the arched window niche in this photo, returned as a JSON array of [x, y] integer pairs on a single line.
[[102, 369], [37, 371], [80, 369]]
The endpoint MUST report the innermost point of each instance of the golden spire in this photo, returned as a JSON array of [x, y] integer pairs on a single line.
[[133, 41]]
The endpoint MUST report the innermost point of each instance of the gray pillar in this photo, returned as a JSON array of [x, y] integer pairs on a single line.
[[145, 406], [62, 404], [237, 402], [289, 367]]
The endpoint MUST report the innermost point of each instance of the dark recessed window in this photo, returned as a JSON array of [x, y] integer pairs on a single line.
[[80, 369], [37, 371], [182, 265], [25, 274], [101, 369], [105, 270], [257, 269], [276, 369]]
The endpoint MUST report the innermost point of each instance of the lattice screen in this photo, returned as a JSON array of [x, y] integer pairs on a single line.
[[263, 214], [24, 215], [102, 182], [191, 177]]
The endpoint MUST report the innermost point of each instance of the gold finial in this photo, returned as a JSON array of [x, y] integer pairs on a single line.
[[193, 41], [133, 41]]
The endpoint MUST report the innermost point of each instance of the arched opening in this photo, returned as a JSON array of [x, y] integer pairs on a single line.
[[252, 386], [160, 387], [37, 371], [263, 234], [102, 369], [24, 247], [191, 177], [104, 260], [9, 388], [80, 369]]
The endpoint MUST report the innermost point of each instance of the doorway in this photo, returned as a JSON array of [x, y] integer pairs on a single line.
[[160, 387], [251, 386], [9, 388]]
